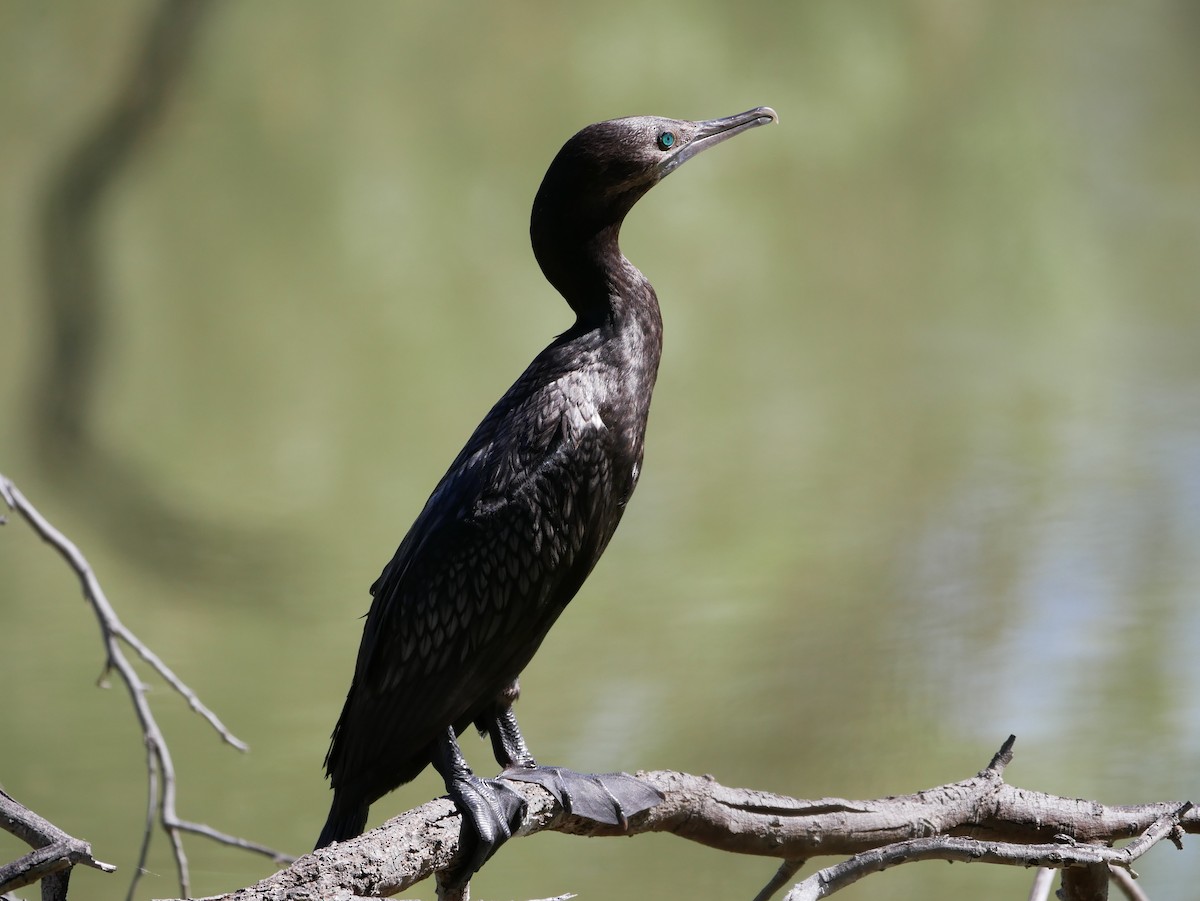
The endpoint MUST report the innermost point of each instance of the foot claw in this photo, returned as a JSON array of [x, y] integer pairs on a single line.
[[605, 797], [491, 812]]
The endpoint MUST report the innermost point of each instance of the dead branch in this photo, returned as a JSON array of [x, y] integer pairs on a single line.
[[979, 819], [160, 769], [54, 852], [1093, 860]]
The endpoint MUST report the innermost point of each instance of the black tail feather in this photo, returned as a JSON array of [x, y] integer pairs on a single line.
[[345, 821]]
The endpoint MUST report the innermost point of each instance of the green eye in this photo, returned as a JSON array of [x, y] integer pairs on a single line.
[[666, 140]]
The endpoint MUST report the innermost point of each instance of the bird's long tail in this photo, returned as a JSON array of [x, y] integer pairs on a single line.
[[345, 821]]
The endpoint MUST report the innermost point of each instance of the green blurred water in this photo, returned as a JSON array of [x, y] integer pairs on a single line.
[[923, 463]]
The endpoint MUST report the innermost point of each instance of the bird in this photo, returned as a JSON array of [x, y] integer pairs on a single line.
[[521, 517]]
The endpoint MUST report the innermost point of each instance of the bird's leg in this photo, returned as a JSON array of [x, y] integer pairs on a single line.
[[501, 725], [606, 798], [490, 810]]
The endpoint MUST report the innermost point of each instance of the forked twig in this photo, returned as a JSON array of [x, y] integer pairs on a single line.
[[160, 768]]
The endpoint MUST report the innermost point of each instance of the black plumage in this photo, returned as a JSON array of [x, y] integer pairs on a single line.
[[526, 509]]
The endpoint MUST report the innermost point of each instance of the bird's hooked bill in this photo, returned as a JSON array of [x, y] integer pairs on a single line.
[[711, 132]]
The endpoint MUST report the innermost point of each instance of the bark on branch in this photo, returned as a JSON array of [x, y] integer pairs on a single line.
[[980, 819]]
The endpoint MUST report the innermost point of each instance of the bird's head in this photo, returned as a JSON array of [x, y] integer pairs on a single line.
[[595, 180], [602, 171]]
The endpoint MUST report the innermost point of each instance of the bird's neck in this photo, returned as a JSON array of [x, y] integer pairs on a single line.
[[595, 278], [618, 331]]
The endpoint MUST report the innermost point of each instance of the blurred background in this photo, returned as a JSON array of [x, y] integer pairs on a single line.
[[924, 462]]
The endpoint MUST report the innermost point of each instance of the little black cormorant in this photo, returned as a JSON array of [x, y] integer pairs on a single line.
[[521, 517]]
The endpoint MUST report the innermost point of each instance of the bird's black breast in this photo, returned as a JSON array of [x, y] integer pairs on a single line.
[[502, 545]]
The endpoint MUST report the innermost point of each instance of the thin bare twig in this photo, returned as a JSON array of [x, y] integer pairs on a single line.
[[1123, 878], [786, 872], [1042, 883], [160, 769], [1001, 758]]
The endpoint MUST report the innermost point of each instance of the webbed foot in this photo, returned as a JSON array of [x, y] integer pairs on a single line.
[[604, 797]]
